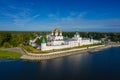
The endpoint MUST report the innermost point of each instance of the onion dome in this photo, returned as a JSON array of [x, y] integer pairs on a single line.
[[77, 33], [56, 30]]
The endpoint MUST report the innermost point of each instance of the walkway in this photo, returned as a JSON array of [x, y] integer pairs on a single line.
[[33, 56], [15, 49]]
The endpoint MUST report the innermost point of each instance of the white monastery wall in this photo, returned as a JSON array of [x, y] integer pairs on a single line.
[[55, 47]]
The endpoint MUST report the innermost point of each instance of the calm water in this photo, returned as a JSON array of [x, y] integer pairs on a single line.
[[103, 65]]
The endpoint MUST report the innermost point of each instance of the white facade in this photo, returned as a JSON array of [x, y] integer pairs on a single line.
[[57, 41], [32, 42]]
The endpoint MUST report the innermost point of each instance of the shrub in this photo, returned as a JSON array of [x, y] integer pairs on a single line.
[[6, 45]]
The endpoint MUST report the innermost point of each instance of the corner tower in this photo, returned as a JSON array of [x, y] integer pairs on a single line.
[[43, 44]]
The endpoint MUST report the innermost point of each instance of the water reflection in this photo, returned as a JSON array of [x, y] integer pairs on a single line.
[[72, 64], [103, 65], [76, 63], [41, 65], [57, 64]]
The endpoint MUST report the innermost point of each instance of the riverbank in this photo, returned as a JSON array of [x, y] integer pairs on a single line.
[[32, 56], [9, 55], [19, 53]]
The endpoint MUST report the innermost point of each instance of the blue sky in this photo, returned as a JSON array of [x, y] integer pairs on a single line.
[[67, 15]]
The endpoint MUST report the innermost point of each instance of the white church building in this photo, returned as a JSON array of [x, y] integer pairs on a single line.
[[56, 40]]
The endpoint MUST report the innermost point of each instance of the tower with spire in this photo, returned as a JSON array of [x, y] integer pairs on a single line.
[[77, 34], [43, 44], [60, 33], [52, 33], [55, 40]]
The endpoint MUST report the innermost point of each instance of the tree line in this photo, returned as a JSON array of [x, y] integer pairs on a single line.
[[15, 39]]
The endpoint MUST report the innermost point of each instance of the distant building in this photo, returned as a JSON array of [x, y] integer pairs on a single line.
[[56, 40]]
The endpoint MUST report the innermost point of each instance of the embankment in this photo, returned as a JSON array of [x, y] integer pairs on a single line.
[[32, 56]]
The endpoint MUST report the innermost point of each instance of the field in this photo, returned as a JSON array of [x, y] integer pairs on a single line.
[[9, 55]]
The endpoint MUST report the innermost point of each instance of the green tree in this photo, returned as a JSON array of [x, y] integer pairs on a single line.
[[5, 37], [6, 45]]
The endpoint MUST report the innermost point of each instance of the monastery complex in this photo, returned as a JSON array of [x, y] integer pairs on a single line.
[[55, 40]]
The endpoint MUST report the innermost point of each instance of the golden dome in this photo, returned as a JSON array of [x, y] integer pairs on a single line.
[[56, 30]]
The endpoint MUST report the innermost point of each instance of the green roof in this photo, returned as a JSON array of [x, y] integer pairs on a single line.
[[43, 40], [66, 36], [77, 33]]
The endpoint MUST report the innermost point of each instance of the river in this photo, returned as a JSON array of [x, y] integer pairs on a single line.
[[104, 65]]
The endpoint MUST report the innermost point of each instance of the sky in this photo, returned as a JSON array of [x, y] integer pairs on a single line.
[[67, 15]]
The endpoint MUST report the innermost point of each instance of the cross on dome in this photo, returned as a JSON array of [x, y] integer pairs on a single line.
[[56, 30]]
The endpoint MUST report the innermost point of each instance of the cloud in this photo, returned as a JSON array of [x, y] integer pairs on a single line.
[[51, 15], [12, 7], [82, 14], [35, 16], [74, 20], [20, 18], [10, 15], [74, 16], [71, 24], [73, 13]]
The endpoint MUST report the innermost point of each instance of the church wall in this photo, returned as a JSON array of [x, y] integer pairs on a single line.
[[55, 47], [70, 44], [55, 41]]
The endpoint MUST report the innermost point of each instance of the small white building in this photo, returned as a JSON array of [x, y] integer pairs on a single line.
[[32, 41], [55, 40]]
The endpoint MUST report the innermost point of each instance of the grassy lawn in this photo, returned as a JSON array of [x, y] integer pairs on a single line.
[[9, 55], [36, 51]]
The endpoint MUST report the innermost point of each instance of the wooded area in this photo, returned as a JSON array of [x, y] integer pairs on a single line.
[[15, 39]]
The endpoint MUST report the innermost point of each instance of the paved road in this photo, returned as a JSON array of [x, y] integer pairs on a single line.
[[15, 49]]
